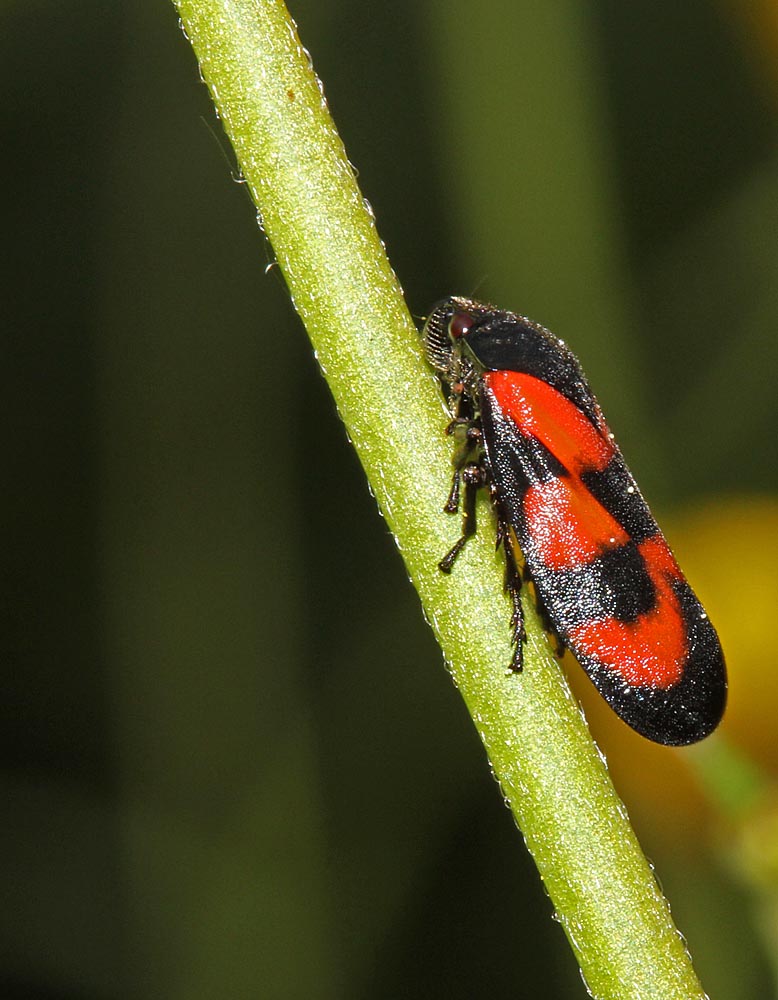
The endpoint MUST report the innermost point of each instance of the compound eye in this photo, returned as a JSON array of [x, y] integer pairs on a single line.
[[459, 325]]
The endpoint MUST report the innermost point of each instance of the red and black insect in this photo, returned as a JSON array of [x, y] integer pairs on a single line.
[[571, 519]]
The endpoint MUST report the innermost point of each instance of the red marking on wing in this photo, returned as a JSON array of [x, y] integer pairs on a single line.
[[659, 559], [541, 411], [567, 525], [651, 651]]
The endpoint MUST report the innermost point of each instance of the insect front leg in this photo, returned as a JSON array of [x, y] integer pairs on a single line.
[[471, 442]]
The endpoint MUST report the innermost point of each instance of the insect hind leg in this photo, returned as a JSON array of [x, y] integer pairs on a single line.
[[524, 576], [513, 584]]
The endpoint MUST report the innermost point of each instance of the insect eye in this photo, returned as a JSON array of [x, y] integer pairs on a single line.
[[459, 325]]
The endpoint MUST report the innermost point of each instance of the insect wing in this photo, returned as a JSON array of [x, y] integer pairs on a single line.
[[604, 574]]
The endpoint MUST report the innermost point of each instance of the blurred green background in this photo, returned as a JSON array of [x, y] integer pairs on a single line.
[[202, 797]]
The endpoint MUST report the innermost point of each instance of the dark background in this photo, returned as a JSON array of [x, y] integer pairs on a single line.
[[202, 796]]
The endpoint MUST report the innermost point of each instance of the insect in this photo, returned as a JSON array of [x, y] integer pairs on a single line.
[[572, 520]]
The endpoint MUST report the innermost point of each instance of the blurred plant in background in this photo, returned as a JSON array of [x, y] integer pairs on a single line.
[[201, 798]]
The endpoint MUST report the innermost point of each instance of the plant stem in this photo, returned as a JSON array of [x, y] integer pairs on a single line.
[[341, 284]]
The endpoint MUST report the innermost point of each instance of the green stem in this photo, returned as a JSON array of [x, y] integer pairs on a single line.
[[348, 297]]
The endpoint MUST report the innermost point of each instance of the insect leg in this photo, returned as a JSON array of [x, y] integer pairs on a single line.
[[559, 643], [451, 505], [471, 441], [474, 477], [513, 581]]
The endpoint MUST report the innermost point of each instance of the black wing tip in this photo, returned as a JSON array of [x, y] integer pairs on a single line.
[[686, 711], [677, 716], [679, 721]]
